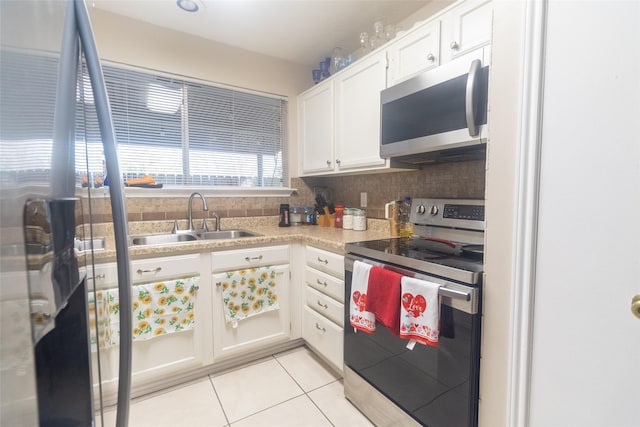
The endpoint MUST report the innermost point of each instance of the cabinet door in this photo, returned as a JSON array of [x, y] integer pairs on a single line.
[[358, 113], [416, 52], [315, 130], [254, 332], [466, 27], [154, 358]]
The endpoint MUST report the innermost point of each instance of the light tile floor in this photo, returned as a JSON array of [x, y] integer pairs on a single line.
[[293, 388]]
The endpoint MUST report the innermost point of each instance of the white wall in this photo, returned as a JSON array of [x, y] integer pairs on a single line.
[[131, 42]]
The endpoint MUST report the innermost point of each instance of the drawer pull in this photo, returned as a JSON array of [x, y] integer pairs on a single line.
[[320, 328], [321, 283], [324, 261], [322, 305], [254, 258], [152, 270], [98, 277]]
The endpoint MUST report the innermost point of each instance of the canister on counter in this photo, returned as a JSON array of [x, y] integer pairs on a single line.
[[359, 220], [347, 219], [295, 215]]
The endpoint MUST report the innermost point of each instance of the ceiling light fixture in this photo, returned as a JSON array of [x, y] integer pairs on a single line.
[[191, 6]]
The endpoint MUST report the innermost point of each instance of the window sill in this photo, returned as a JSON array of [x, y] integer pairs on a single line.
[[169, 191]]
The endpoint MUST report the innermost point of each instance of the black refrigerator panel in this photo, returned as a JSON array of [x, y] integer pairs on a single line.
[[60, 325]]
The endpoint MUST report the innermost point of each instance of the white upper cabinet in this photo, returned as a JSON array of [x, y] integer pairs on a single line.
[[358, 114], [466, 27], [456, 32], [417, 51], [315, 130], [339, 120]]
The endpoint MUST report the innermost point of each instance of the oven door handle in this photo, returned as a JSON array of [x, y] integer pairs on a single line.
[[451, 293]]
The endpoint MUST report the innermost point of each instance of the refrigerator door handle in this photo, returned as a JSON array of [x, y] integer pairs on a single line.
[[117, 205]]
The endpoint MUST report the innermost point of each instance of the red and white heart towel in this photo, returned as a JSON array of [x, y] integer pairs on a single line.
[[419, 311], [359, 318]]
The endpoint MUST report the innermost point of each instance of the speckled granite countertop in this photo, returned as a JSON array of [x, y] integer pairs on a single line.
[[332, 239]]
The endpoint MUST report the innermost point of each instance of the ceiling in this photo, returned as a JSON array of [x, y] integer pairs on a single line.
[[300, 31]]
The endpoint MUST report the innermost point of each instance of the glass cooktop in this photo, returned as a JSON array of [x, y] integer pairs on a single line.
[[423, 255]]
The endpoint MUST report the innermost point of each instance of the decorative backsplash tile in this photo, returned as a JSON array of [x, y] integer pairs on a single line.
[[450, 180]]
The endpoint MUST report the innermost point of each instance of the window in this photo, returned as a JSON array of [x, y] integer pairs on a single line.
[[188, 133]]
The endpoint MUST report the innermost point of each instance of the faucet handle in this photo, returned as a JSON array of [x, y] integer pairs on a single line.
[[175, 226], [204, 224]]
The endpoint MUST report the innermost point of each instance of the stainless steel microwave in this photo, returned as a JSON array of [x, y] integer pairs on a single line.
[[438, 115]]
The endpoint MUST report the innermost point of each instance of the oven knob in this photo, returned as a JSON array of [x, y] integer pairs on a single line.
[[421, 209], [433, 210]]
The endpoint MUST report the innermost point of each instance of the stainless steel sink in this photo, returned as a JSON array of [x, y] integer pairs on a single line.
[[162, 239], [226, 234]]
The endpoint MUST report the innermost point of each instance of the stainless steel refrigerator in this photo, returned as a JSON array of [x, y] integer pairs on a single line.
[[45, 358]]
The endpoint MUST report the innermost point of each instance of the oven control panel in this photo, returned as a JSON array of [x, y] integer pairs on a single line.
[[456, 213]]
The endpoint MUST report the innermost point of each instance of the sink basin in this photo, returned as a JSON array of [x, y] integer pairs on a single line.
[[162, 239], [226, 234]]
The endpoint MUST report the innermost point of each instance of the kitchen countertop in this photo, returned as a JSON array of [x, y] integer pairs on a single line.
[[329, 238]]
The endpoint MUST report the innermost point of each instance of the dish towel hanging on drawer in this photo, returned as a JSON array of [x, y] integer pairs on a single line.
[[359, 317], [159, 308], [246, 293], [419, 311]]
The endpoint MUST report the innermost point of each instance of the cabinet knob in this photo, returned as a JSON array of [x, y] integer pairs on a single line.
[[430, 57], [338, 161], [328, 162], [454, 45]]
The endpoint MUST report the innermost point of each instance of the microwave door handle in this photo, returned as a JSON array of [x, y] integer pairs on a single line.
[[469, 101]]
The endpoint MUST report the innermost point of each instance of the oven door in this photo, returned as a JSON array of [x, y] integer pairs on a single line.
[[432, 386]]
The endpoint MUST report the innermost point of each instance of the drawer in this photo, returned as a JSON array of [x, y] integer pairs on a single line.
[[324, 336], [325, 305], [148, 270], [325, 261], [325, 283], [253, 257], [105, 276]]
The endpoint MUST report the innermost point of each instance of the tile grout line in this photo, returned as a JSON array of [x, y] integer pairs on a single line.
[[219, 401], [305, 392]]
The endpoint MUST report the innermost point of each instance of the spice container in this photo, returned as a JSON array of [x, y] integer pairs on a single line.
[[308, 214], [295, 215], [347, 219], [339, 215], [359, 220]]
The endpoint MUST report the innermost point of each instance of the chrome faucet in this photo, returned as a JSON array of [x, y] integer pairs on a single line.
[[190, 209]]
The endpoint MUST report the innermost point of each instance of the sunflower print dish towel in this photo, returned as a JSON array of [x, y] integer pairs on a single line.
[[159, 308], [246, 293]]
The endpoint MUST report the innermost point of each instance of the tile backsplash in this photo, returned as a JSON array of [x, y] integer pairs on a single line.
[[450, 180]]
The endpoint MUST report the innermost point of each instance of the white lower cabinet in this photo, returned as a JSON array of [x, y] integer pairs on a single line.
[[248, 279], [322, 318], [160, 353]]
